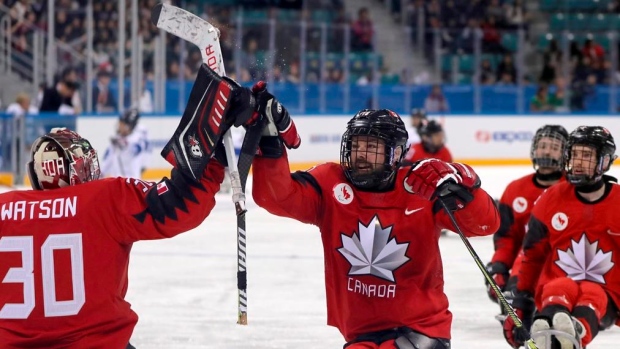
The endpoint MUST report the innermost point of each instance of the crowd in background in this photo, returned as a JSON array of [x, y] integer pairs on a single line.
[[455, 24]]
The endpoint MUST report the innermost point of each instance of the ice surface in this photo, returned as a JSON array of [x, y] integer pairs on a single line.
[[184, 289]]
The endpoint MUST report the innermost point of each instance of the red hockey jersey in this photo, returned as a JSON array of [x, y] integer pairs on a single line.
[[515, 207], [382, 261], [64, 255], [569, 237], [416, 153]]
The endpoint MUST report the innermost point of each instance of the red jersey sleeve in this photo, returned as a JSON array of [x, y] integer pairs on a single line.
[[147, 210], [536, 247], [478, 218], [506, 246], [293, 195]]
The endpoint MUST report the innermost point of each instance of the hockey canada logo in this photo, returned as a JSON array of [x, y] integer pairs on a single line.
[[519, 204], [343, 193], [372, 252], [194, 146], [585, 261], [559, 221]]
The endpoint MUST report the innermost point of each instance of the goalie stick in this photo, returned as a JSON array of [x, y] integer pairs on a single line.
[[443, 190], [203, 34]]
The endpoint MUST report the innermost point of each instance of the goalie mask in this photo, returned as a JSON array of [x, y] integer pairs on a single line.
[[548, 148], [372, 148], [590, 153], [62, 158]]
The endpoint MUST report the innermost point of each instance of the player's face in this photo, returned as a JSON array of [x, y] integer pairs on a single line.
[[123, 129], [583, 160], [436, 139], [367, 154], [548, 147]]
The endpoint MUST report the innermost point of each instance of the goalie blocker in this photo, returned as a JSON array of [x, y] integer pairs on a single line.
[[215, 104]]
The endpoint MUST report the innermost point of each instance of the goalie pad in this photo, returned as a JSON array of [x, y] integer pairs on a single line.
[[215, 104]]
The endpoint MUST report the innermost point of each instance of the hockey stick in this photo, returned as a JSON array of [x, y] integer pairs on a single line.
[[445, 189], [203, 34]]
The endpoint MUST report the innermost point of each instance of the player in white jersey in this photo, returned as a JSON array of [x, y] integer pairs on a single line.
[[128, 152]]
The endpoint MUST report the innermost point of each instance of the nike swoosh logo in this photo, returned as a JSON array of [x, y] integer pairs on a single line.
[[408, 212], [612, 233]]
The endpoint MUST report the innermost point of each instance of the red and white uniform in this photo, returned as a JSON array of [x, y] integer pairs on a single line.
[[382, 261], [416, 153], [64, 255], [571, 238], [515, 207]]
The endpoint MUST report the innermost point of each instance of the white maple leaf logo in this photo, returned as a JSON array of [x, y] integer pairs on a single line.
[[373, 252], [584, 261]]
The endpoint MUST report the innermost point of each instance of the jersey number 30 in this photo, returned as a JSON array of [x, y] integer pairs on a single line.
[[25, 276]]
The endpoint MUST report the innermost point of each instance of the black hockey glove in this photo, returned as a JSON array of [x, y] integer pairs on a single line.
[[280, 128], [523, 304], [215, 104]]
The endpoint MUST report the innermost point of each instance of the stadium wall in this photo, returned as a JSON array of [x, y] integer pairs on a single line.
[[475, 139]]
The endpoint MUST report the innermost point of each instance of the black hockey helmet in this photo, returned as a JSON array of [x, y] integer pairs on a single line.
[[130, 117], [553, 132], [385, 125], [603, 143], [62, 158], [426, 130]]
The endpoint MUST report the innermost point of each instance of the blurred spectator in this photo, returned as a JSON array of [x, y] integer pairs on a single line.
[[556, 99], [250, 60], [70, 74], [540, 101], [58, 98], [495, 10], [103, 100], [436, 102], [581, 91], [506, 80], [362, 32], [487, 75], [507, 66], [465, 41], [145, 103], [552, 59], [293, 73], [593, 50], [491, 38], [277, 75], [21, 106], [335, 76], [515, 15]]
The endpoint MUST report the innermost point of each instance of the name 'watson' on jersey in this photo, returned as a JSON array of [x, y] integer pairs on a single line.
[[50, 208]]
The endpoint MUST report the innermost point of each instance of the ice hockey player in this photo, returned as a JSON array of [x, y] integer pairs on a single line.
[[569, 271], [547, 156], [129, 149], [379, 225], [432, 144], [64, 246], [418, 116]]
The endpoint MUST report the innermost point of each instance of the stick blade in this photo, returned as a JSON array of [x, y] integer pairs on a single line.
[[155, 13]]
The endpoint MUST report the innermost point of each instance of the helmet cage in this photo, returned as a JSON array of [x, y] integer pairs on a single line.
[[546, 160], [393, 135], [602, 143]]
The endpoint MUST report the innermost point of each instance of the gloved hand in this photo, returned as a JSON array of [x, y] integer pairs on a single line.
[[451, 182], [280, 123], [500, 273], [523, 304]]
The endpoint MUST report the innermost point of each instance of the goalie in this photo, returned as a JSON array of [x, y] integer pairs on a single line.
[[64, 246]]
